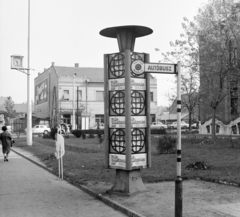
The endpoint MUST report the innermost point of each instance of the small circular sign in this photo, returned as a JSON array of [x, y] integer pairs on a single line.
[[137, 67]]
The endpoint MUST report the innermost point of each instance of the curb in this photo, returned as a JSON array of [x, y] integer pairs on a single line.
[[107, 201]]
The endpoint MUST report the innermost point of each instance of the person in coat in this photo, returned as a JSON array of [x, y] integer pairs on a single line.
[[6, 140]]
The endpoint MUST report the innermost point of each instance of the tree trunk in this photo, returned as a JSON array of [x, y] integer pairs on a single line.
[[190, 121], [213, 124]]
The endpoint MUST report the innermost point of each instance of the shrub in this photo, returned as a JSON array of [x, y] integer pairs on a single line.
[[77, 133], [166, 145], [91, 135], [158, 131]]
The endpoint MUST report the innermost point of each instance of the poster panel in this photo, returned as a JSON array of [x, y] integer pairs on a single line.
[[138, 84], [119, 121], [41, 92], [117, 84], [119, 161]]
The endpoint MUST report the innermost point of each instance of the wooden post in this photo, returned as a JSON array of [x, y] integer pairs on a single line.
[[178, 182]]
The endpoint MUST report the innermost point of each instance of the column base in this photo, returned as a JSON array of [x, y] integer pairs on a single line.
[[127, 182]]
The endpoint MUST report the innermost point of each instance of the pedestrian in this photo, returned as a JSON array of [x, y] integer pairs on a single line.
[[7, 141]]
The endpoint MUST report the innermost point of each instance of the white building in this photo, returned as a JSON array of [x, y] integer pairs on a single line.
[[59, 88]]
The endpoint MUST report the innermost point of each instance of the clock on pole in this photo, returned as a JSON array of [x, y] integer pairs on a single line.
[[16, 62]]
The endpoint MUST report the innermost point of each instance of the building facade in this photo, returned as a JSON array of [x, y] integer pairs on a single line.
[[75, 95]]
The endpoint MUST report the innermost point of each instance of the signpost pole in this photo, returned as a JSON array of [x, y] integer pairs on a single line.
[[29, 104], [178, 181]]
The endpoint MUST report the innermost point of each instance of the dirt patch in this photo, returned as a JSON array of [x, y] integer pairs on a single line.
[[200, 199]]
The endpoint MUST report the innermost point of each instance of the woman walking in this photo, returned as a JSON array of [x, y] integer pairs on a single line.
[[6, 139]]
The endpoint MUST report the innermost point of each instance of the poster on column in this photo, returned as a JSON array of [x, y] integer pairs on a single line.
[[119, 161], [117, 84], [119, 121], [138, 84]]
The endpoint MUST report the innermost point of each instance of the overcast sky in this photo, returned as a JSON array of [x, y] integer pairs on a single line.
[[67, 32]]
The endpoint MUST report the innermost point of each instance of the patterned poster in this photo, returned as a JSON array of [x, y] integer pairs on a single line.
[[117, 84], [119, 160], [41, 92], [119, 121]]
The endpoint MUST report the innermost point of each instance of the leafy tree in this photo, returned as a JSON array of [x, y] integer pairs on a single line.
[[9, 106], [186, 50], [218, 47], [210, 45]]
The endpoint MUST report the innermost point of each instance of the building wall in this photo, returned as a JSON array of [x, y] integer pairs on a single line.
[[65, 106], [41, 108]]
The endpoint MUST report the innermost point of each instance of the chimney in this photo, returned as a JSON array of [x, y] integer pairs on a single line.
[[53, 63], [76, 64]]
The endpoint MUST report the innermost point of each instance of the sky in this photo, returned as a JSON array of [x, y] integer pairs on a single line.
[[67, 32]]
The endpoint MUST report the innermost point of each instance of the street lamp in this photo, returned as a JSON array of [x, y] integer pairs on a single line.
[[73, 123], [86, 80], [17, 63]]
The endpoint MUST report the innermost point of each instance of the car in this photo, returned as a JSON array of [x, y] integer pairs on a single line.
[[101, 126], [40, 129], [158, 125], [195, 125], [184, 125]]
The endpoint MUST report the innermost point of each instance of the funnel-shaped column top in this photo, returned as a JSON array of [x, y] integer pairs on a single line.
[[126, 35]]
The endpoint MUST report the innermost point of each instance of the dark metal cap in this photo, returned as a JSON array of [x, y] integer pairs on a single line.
[[139, 31]]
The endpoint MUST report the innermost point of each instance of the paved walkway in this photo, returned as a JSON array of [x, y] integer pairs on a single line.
[[28, 190]]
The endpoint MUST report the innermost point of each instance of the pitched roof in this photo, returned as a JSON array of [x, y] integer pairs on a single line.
[[172, 116], [2, 100], [94, 74], [20, 107]]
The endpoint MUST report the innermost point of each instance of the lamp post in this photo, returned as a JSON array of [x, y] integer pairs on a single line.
[[73, 123], [86, 119], [17, 63]]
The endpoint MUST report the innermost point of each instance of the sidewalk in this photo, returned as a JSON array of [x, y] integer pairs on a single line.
[[28, 190]]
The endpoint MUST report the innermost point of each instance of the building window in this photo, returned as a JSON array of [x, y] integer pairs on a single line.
[[99, 95], [79, 95], [66, 119], [153, 119], [65, 94], [99, 118], [151, 96]]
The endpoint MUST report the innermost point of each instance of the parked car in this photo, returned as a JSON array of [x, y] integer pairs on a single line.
[[184, 125], [40, 129], [101, 126], [195, 126], [158, 125]]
